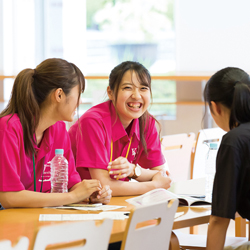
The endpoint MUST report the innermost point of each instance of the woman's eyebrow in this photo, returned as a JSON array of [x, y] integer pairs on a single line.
[[127, 83]]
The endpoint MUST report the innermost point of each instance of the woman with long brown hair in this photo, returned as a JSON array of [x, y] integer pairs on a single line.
[[32, 127], [118, 139]]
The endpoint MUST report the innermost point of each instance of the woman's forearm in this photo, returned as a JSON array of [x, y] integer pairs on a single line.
[[146, 175], [217, 232], [125, 188], [130, 188], [27, 198]]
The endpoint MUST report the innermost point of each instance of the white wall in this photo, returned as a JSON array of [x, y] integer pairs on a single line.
[[212, 34]]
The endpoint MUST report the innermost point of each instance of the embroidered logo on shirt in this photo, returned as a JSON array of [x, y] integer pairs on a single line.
[[46, 176], [134, 150]]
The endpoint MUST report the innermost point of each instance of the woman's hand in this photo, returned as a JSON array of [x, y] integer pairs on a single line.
[[162, 181], [85, 189], [121, 168], [102, 196]]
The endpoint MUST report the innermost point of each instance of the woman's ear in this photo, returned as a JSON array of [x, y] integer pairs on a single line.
[[110, 94], [215, 108], [58, 94]]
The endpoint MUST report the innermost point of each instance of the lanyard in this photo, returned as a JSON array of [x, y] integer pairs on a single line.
[[34, 171], [111, 151]]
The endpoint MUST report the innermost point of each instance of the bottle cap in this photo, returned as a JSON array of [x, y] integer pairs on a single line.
[[213, 145], [59, 151]]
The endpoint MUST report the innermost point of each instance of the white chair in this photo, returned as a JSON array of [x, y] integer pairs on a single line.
[[84, 233], [5, 245], [153, 236], [177, 152], [22, 244], [201, 149]]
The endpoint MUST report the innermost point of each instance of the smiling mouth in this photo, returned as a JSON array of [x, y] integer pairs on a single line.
[[135, 105]]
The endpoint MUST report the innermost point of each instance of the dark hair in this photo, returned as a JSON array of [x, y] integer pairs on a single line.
[[144, 78], [230, 87], [32, 87]]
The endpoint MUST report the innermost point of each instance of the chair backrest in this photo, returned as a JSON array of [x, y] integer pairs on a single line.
[[201, 149], [22, 244], [177, 152], [5, 245], [85, 233], [153, 236]]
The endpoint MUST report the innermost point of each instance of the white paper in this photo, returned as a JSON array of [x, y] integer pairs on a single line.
[[77, 217], [161, 194], [152, 197], [99, 208], [178, 214]]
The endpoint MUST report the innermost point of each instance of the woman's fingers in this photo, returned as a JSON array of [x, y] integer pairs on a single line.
[[120, 168], [103, 196], [119, 161]]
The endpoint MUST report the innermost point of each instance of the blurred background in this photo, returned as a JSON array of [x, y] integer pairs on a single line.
[[181, 42]]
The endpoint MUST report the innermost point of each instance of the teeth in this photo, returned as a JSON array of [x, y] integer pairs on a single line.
[[134, 106]]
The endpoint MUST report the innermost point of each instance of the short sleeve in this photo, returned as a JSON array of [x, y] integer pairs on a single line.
[[224, 200], [91, 148], [154, 157], [10, 165]]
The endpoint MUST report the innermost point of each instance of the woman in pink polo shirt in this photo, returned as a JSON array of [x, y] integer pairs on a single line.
[[117, 140], [31, 128]]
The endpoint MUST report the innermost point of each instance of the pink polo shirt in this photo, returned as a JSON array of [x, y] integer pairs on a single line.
[[16, 167], [92, 146]]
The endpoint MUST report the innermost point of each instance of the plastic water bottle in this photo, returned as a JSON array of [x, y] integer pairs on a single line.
[[210, 166], [59, 173]]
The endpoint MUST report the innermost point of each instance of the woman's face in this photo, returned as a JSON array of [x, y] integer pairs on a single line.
[[68, 107], [133, 98], [221, 115]]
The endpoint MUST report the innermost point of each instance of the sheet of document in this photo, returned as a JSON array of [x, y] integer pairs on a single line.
[[100, 216], [77, 217], [178, 214], [98, 208], [152, 197]]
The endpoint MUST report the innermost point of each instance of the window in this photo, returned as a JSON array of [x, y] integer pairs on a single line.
[[96, 36]]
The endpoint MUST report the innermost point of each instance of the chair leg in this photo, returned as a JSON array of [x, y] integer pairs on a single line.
[[174, 242], [240, 227], [193, 230], [248, 230]]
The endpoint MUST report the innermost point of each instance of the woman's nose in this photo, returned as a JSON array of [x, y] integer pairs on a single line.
[[136, 93]]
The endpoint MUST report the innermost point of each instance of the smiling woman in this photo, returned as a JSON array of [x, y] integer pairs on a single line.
[[117, 136], [133, 97]]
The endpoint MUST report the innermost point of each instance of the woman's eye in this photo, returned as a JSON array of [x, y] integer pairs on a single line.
[[127, 88], [144, 88]]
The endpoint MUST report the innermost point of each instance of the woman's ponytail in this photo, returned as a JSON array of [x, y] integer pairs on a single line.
[[240, 111], [31, 89], [23, 102]]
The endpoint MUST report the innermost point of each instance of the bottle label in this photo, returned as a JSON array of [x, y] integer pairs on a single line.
[[46, 176]]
